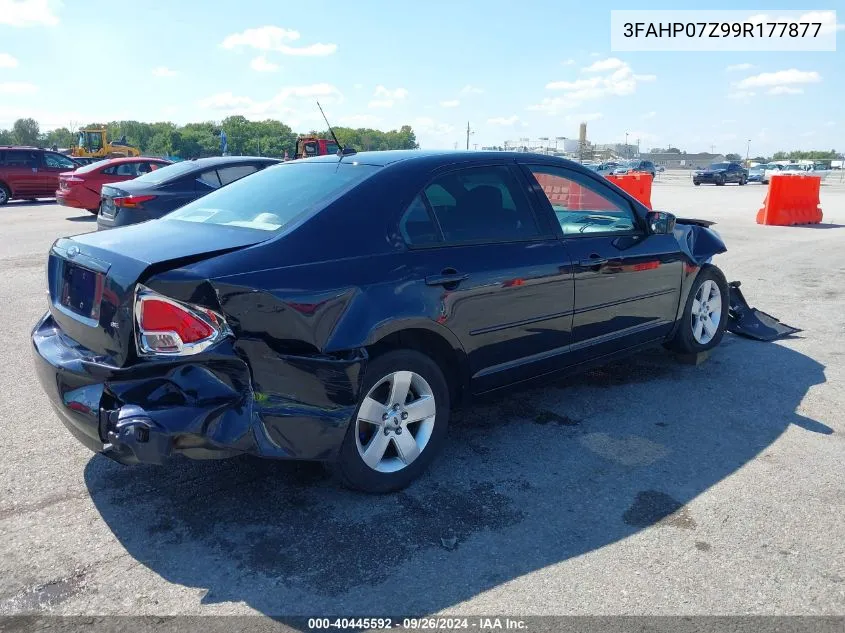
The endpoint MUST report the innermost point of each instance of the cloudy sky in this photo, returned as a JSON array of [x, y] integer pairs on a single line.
[[529, 69]]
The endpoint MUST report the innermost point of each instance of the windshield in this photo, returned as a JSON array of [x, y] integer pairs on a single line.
[[274, 197], [158, 176], [719, 165]]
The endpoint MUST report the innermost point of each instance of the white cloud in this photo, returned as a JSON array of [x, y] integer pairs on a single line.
[[274, 38], [225, 101], [808, 134], [427, 125], [568, 62], [164, 71], [740, 94], [830, 123], [501, 120], [785, 90], [385, 98], [595, 54], [283, 105], [585, 118], [453, 103], [552, 105], [621, 81], [469, 89], [262, 65], [735, 67], [358, 86], [780, 78], [17, 88], [650, 115], [611, 63], [7, 61], [23, 13]]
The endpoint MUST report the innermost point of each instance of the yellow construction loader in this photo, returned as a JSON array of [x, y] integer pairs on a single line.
[[93, 143]]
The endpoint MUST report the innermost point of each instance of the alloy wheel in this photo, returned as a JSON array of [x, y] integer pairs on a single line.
[[395, 421], [706, 312], [3, 198]]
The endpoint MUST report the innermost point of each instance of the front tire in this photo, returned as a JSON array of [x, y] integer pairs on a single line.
[[696, 183], [742, 181], [5, 194], [399, 425], [720, 180], [705, 315]]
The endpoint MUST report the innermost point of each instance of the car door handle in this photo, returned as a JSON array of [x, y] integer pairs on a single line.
[[447, 277], [593, 260]]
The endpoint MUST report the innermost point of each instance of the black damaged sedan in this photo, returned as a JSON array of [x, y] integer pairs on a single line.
[[337, 308]]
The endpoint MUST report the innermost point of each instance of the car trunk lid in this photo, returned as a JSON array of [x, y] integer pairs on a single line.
[[92, 277]]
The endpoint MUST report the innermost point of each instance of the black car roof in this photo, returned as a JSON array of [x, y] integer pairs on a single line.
[[213, 161], [433, 158]]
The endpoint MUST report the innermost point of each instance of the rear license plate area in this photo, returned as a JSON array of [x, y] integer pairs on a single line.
[[81, 291]]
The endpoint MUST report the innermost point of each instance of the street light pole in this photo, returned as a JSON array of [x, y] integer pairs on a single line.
[[747, 152], [626, 146]]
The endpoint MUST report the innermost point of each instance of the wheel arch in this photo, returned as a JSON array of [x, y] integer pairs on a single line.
[[432, 339]]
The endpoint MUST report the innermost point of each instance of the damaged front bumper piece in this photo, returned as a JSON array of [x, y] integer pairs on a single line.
[[752, 323]]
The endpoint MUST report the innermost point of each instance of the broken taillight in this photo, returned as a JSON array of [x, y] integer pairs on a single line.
[[168, 327]]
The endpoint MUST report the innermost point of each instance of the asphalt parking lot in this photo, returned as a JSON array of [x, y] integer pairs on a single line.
[[645, 487]]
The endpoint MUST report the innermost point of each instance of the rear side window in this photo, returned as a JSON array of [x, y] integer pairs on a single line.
[[20, 158], [472, 205], [235, 172], [418, 226], [210, 178], [274, 197]]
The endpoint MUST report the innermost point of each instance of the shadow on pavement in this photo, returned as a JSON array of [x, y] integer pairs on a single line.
[[530, 480], [88, 217]]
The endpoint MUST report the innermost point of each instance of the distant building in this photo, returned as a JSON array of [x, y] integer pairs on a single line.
[[672, 160]]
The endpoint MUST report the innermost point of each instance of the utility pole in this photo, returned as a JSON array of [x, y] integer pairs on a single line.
[[627, 153], [712, 148], [747, 152], [468, 133]]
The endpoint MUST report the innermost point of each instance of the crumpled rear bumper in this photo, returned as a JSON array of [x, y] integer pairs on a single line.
[[202, 408]]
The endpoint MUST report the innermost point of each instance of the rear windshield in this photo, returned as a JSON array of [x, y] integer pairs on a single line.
[[158, 176], [272, 198], [87, 169]]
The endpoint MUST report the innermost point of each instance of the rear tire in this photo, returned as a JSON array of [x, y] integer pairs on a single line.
[[696, 183], [5, 194], [93, 211], [742, 181], [398, 446], [705, 318], [720, 180]]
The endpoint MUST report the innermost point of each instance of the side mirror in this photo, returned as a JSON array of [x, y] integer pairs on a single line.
[[660, 222]]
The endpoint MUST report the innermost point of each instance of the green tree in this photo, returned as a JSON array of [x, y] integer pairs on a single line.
[[733, 157], [60, 137], [25, 131], [7, 137]]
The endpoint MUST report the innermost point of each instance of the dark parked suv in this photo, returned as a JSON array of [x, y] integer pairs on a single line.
[[30, 172]]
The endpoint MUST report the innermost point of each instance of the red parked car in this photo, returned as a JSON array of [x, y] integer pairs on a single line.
[[81, 188], [28, 173]]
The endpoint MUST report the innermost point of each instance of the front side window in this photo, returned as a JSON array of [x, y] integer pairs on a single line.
[[580, 205], [479, 204]]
